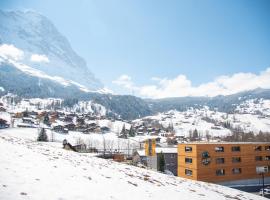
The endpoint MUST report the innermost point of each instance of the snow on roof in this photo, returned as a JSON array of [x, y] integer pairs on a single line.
[[221, 143], [27, 118], [166, 150], [141, 152]]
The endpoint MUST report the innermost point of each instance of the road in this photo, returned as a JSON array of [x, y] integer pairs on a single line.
[[252, 189]]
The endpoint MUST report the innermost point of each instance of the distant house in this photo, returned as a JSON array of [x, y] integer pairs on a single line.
[[2, 109], [80, 121], [70, 126], [118, 157], [82, 128], [92, 124], [68, 119], [139, 157], [33, 113], [89, 117], [170, 157], [81, 148], [104, 129], [158, 140], [60, 129], [68, 146], [3, 124], [28, 120]]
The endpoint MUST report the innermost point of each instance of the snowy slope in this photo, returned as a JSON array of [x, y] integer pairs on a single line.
[[32, 170]]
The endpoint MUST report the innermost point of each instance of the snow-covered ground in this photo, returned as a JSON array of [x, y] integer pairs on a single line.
[[110, 139], [32, 170]]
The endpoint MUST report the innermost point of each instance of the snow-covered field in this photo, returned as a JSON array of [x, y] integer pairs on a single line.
[[37, 171]]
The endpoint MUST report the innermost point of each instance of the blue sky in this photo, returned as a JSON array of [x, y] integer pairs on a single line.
[[138, 40]]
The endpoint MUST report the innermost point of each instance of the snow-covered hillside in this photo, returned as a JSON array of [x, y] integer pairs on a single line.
[[32, 170], [255, 106], [38, 105], [211, 122]]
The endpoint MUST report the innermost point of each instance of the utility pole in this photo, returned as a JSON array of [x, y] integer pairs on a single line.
[[128, 147], [263, 184], [52, 136], [262, 171], [104, 146]]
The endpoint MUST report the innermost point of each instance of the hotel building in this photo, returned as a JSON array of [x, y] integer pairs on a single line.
[[224, 163]]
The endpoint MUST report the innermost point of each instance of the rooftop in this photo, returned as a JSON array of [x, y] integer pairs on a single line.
[[219, 143]]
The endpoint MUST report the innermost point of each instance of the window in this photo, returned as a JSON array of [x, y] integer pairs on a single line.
[[188, 160], [220, 172], [236, 170], [219, 149], [188, 172], [258, 148], [267, 158], [188, 149], [172, 155], [236, 159], [258, 158], [220, 160], [236, 148], [267, 148]]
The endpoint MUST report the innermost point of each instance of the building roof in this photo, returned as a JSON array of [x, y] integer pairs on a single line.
[[221, 143], [141, 152], [166, 150]]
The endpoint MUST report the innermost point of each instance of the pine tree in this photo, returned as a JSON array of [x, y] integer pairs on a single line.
[[195, 134], [161, 162], [131, 132], [42, 136], [123, 133]]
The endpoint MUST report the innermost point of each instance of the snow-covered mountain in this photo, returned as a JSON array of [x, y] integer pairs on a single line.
[[43, 48]]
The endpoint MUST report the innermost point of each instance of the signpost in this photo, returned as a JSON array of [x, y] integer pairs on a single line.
[[262, 170]]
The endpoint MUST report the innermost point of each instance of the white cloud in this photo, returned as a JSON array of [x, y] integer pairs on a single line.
[[39, 58], [125, 82], [181, 86], [11, 52]]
